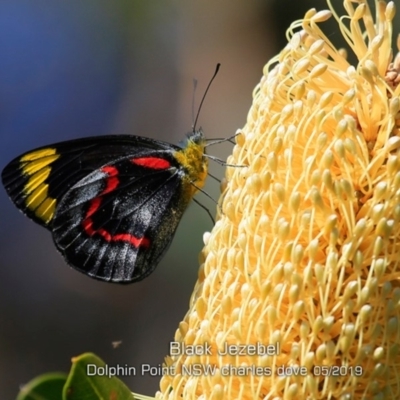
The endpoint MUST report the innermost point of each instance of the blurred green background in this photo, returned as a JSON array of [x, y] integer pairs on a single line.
[[73, 69]]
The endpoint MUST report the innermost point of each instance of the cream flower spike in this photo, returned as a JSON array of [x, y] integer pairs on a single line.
[[299, 293]]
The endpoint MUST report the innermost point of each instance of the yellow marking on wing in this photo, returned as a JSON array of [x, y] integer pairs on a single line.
[[38, 154], [40, 203], [36, 179], [30, 167], [46, 210], [37, 197], [37, 166]]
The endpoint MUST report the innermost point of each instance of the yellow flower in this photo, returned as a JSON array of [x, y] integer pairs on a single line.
[[302, 269]]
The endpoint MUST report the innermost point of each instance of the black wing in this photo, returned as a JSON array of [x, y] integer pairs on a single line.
[[116, 223], [37, 180]]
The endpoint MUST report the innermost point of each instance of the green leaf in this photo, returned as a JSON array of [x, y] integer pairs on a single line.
[[84, 383], [44, 387]]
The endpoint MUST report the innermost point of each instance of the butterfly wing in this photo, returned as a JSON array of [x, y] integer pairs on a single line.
[[116, 223], [112, 203], [37, 180]]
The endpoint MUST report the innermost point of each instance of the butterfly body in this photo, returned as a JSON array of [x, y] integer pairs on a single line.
[[112, 203]]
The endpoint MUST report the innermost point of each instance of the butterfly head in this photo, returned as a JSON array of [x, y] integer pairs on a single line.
[[195, 137]]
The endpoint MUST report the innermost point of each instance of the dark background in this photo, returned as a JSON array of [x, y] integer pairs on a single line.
[[73, 69]]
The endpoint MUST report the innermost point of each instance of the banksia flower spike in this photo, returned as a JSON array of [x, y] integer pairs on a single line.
[[299, 293]]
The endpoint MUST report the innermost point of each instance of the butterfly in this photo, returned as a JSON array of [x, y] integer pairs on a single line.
[[112, 203]]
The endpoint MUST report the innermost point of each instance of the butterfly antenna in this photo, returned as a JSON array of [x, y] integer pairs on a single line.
[[204, 95], [194, 95]]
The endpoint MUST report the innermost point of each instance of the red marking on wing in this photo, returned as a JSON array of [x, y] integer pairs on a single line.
[[87, 226], [112, 182], [102, 232], [152, 162], [137, 242], [94, 205], [120, 237]]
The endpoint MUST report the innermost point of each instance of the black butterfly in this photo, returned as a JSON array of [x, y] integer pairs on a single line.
[[112, 203]]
